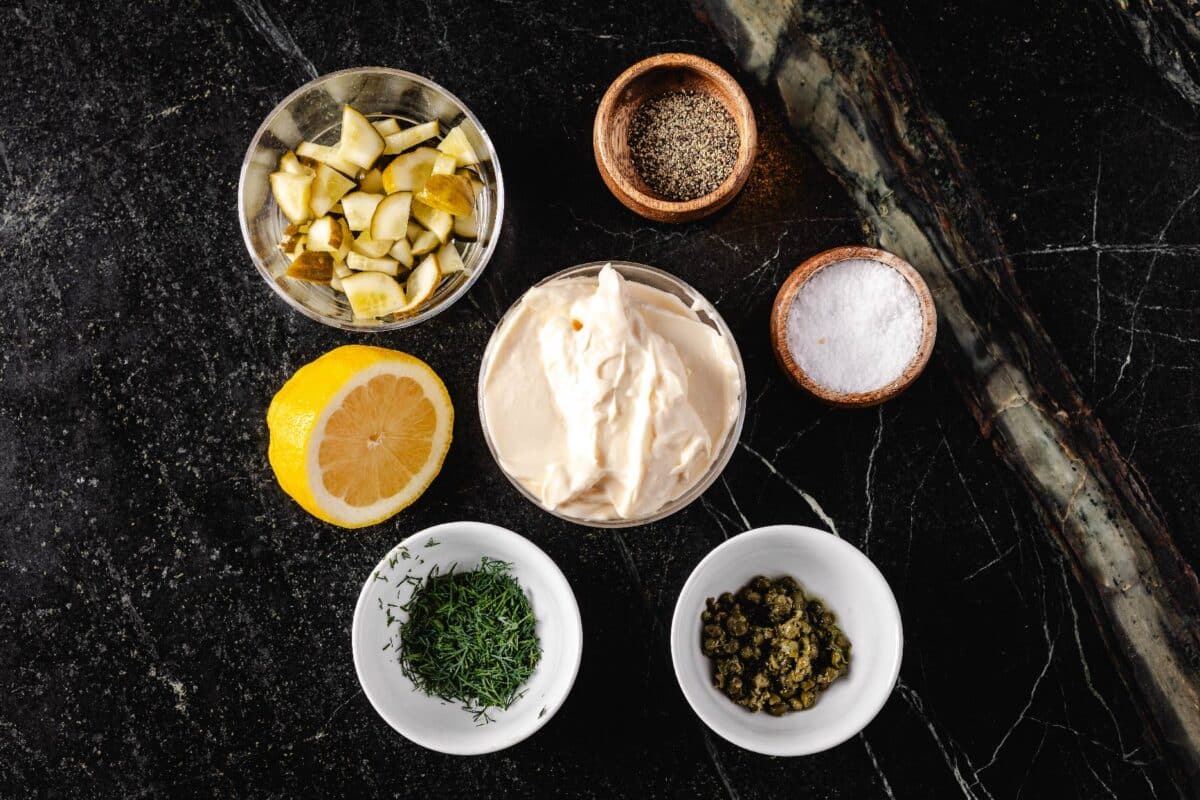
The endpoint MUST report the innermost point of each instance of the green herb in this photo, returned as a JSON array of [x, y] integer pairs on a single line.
[[772, 646], [470, 638]]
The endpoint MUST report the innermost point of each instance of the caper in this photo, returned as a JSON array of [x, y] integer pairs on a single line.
[[773, 648]]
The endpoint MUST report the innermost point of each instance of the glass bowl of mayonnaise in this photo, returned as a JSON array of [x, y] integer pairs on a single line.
[[612, 394]]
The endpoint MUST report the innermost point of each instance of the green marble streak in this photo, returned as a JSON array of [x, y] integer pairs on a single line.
[[847, 92]]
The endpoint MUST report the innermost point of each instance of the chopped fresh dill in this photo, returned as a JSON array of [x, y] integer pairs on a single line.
[[432, 543], [470, 638]]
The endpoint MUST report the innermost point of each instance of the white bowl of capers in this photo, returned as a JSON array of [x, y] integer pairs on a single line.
[[786, 640]]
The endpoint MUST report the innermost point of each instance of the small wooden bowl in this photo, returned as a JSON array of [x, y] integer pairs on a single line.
[[658, 75], [787, 294]]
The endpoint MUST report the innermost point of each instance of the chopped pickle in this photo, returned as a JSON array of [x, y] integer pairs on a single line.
[[325, 235], [288, 162], [426, 242], [360, 144], [383, 198], [449, 193], [402, 252], [327, 189], [359, 207], [359, 263], [456, 144], [433, 219], [372, 248], [422, 282], [408, 172], [390, 220], [410, 137], [373, 294], [386, 126], [293, 194], [313, 267], [449, 261]]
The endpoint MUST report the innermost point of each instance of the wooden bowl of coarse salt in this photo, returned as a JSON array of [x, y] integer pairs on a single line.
[[674, 137], [853, 326]]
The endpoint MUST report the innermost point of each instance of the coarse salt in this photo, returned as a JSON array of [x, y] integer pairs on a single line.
[[854, 326]]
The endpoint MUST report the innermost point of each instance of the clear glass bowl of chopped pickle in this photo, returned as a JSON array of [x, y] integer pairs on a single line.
[[313, 113]]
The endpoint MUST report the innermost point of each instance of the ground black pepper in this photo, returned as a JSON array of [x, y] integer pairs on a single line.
[[684, 144]]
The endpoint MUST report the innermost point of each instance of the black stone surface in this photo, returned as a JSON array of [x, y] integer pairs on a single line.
[[173, 625]]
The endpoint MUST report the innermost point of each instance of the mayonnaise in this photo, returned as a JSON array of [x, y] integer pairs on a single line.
[[607, 399]]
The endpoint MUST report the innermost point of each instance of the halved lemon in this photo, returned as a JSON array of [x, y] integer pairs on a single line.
[[359, 434]]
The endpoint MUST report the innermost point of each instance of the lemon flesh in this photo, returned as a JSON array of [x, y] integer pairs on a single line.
[[359, 434]]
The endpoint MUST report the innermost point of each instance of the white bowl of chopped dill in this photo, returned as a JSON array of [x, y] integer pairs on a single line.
[[466, 638]]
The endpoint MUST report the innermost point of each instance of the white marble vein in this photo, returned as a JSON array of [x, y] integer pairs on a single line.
[[952, 761], [808, 498], [867, 482], [887, 787], [736, 507], [276, 35], [1147, 277], [715, 757]]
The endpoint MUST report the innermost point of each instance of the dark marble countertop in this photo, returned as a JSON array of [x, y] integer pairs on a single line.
[[175, 626]]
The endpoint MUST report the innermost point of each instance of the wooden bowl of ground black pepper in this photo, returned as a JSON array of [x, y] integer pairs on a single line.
[[663, 146]]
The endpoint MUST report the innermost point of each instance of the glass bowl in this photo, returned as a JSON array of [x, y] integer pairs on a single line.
[[665, 282], [313, 113]]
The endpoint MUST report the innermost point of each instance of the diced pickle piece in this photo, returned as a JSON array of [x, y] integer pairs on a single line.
[[359, 263], [433, 219], [372, 181], [408, 173], [390, 220], [371, 248], [288, 162], [293, 193], [360, 144], [410, 137], [444, 165], [359, 207], [422, 282], [325, 235], [449, 261], [402, 252], [319, 153], [449, 193], [386, 126], [426, 242], [328, 187], [373, 294], [312, 267], [456, 144]]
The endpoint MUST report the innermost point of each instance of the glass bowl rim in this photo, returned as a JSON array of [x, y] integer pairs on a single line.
[[497, 218], [629, 270]]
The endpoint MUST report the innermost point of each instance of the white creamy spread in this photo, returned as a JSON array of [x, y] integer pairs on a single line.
[[608, 399]]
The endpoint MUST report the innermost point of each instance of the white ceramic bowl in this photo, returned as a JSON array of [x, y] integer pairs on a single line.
[[851, 587], [445, 726]]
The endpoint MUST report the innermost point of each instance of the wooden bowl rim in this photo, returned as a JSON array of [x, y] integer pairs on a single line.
[[787, 294], [675, 210]]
